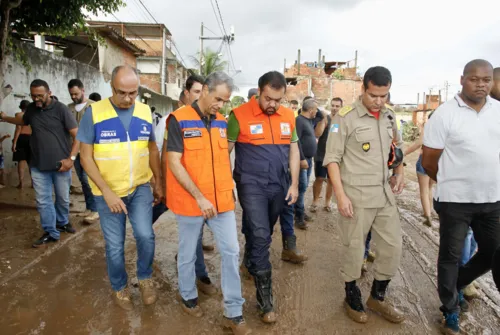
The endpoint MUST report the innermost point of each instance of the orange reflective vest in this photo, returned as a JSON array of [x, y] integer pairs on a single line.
[[263, 145], [206, 160]]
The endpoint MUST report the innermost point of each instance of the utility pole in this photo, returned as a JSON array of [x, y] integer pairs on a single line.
[[356, 61], [446, 87], [201, 50], [226, 38], [284, 67], [430, 97], [298, 63]]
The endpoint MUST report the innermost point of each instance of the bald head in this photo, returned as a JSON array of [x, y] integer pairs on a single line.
[[476, 63], [477, 81], [495, 91], [125, 85]]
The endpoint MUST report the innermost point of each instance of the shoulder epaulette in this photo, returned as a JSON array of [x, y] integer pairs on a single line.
[[346, 109]]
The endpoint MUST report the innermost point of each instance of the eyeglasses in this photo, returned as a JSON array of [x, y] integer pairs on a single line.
[[123, 95], [38, 96]]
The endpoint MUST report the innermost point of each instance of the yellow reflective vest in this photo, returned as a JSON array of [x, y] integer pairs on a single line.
[[121, 156]]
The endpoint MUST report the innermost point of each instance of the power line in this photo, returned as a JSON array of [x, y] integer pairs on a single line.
[[147, 10], [228, 46], [128, 28], [209, 30], [140, 11], [216, 17]]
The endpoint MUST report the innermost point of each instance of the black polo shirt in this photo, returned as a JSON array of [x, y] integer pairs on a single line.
[[50, 139]]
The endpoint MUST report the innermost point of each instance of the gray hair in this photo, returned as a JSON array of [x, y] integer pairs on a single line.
[[124, 67], [309, 104], [219, 78]]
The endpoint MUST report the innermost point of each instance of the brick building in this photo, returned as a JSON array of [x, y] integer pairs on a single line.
[[324, 81], [161, 71]]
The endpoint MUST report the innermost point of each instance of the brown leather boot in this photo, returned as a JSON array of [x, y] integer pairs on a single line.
[[290, 252], [353, 304], [124, 299], [206, 286], [148, 291], [237, 325], [376, 302]]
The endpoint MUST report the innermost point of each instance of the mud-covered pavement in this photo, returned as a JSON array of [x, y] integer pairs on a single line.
[[65, 290]]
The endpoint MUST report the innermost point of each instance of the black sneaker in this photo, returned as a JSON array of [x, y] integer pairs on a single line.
[[67, 228], [44, 241]]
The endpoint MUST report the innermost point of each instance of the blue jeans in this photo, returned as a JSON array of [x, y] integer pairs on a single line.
[[84, 180], [470, 246], [224, 228], [52, 214], [201, 269], [140, 212], [303, 183]]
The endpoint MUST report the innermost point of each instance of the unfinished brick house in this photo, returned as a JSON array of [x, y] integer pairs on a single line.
[[324, 81]]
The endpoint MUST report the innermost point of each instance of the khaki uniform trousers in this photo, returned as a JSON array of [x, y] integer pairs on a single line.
[[386, 234]]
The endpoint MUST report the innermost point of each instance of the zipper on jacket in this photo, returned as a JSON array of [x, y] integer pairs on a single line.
[[131, 167], [213, 167], [271, 126]]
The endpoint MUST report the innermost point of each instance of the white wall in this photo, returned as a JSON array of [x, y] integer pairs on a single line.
[[148, 66], [57, 71]]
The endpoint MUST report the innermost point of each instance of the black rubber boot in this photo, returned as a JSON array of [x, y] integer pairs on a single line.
[[353, 304], [379, 287], [264, 286]]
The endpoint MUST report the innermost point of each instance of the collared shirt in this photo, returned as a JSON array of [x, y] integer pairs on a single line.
[[469, 167], [174, 137], [50, 141], [360, 145]]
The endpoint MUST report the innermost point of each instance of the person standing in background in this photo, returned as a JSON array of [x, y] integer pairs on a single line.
[[77, 107], [21, 145]]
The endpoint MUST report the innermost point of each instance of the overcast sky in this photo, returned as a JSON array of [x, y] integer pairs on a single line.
[[423, 43]]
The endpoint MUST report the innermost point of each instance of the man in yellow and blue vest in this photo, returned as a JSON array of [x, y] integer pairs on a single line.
[[119, 153]]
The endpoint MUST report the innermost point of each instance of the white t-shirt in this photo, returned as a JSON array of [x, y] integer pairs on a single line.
[[469, 167], [159, 130], [79, 107]]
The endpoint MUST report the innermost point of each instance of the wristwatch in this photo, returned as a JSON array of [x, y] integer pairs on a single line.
[[73, 158]]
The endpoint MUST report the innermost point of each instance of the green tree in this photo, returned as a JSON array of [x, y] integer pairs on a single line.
[[212, 62], [50, 17], [237, 101]]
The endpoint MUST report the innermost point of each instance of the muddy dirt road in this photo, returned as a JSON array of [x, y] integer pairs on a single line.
[[65, 290]]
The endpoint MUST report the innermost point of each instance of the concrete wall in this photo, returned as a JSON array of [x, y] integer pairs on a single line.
[[164, 105], [57, 71], [149, 66], [111, 55]]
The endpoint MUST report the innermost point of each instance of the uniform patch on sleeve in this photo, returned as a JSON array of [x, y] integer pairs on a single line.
[[345, 110], [334, 128], [192, 133]]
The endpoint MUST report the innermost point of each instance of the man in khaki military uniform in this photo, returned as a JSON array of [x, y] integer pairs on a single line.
[[357, 151]]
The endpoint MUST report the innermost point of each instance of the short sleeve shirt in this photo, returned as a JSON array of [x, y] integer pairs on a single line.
[[50, 140], [469, 166], [175, 140], [86, 132]]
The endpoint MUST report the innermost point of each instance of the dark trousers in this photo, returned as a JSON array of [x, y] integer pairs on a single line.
[[367, 243], [495, 268], [261, 209], [84, 180], [455, 220], [158, 210]]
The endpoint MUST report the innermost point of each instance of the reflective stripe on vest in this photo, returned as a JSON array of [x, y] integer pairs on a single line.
[[206, 160], [121, 156], [263, 145]]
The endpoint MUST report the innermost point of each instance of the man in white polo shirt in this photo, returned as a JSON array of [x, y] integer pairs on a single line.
[[462, 153]]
